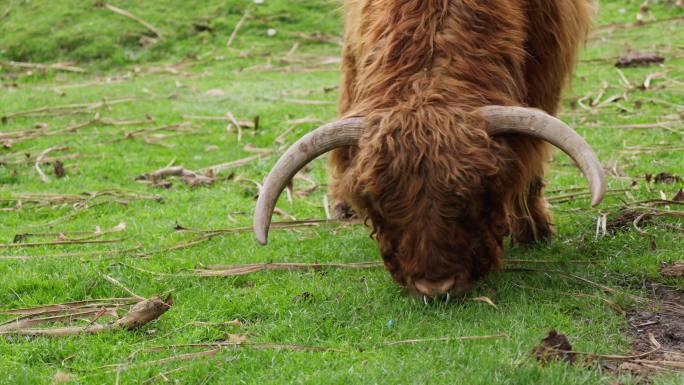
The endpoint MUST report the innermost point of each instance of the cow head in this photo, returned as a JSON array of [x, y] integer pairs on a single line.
[[440, 230]]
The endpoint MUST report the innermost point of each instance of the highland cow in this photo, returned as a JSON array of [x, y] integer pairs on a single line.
[[446, 113]]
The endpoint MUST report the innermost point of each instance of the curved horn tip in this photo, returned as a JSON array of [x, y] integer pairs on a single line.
[[261, 237], [595, 201], [317, 142], [597, 196], [539, 124], [262, 241]]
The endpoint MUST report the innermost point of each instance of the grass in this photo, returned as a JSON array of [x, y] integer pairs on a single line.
[[356, 311], [73, 30]]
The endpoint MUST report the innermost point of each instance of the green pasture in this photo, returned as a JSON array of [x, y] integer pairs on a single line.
[[282, 69]]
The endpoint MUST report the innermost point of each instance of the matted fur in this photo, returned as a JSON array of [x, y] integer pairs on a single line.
[[439, 192]]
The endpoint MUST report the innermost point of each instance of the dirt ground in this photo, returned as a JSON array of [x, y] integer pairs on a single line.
[[665, 320]]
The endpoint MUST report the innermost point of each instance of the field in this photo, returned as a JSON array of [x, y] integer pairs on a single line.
[[93, 102]]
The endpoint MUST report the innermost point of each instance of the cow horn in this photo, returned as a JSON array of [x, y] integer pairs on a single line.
[[323, 139], [502, 120], [536, 123]]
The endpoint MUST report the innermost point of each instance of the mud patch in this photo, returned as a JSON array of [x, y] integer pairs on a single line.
[[657, 328], [665, 319]]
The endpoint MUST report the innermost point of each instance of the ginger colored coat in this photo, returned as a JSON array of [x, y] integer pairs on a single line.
[[440, 193]]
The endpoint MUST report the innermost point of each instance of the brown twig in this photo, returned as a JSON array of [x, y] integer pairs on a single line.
[[131, 16], [139, 315], [177, 127], [275, 225], [27, 322], [78, 201], [234, 322], [203, 177], [110, 253], [70, 307], [672, 364], [13, 137], [626, 26], [233, 34], [40, 159], [178, 246], [650, 150], [212, 349], [318, 37], [647, 202], [27, 158], [447, 339], [240, 340], [642, 126], [67, 107], [244, 269], [219, 168], [612, 304], [44, 67], [68, 236], [232, 121], [122, 287], [243, 123], [236, 270], [61, 243], [298, 101], [549, 261], [578, 278], [572, 196]]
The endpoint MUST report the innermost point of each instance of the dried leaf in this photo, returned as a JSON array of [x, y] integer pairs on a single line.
[[679, 197], [674, 270], [554, 347]]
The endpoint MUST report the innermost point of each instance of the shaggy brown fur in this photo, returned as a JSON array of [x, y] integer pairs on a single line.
[[440, 193]]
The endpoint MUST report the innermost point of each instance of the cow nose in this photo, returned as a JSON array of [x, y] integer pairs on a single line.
[[432, 288]]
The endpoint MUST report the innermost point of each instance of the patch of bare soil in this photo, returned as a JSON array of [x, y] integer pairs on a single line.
[[664, 319]]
